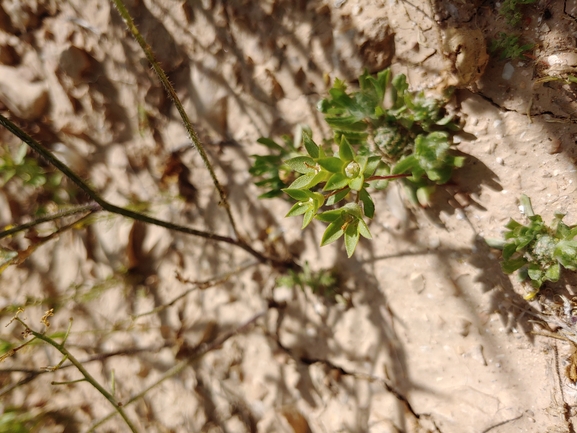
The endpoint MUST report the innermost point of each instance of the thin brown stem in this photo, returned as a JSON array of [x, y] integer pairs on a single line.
[[91, 207]]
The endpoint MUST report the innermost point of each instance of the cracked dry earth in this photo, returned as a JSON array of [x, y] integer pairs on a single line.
[[431, 336]]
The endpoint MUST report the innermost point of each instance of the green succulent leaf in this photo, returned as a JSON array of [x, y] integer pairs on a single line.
[[510, 266]]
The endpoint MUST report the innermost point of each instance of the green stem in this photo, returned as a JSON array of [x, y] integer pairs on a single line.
[[174, 97], [200, 352], [117, 406]]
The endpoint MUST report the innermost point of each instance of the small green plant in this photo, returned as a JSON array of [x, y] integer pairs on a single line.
[[323, 282], [20, 166], [271, 168], [536, 250], [509, 47], [381, 132], [511, 11]]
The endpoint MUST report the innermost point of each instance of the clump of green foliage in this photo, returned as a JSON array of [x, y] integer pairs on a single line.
[[510, 9], [271, 168], [28, 172], [537, 250], [22, 167], [509, 47], [381, 132], [323, 282]]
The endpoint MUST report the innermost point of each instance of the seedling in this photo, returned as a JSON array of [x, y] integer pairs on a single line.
[[380, 132], [509, 47], [536, 250], [510, 9], [323, 282]]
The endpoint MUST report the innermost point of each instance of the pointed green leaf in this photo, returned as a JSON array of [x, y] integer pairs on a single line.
[[333, 232], [330, 216], [372, 164], [310, 145], [336, 181], [357, 183], [353, 209], [368, 204], [364, 230], [297, 209], [332, 164], [302, 181], [308, 217], [405, 165], [351, 239], [298, 194], [271, 144], [345, 150], [302, 164], [335, 198]]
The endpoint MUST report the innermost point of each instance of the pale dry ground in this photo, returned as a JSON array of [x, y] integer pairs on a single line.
[[433, 337]]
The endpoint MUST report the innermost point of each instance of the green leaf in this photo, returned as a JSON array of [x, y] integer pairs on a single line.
[[553, 272], [357, 183], [405, 165], [336, 181], [351, 239], [309, 215], [302, 164], [303, 181], [335, 198], [368, 205], [372, 164], [566, 253], [298, 194], [333, 232], [310, 145], [298, 209], [332, 164], [535, 273], [330, 215], [364, 229], [508, 250], [271, 144], [510, 266], [346, 123], [346, 151]]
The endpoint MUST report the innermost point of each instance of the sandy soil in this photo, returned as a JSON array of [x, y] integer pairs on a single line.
[[427, 334]]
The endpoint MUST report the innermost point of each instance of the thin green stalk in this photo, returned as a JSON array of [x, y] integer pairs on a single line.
[[109, 207], [87, 376], [172, 94], [91, 207], [202, 350]]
